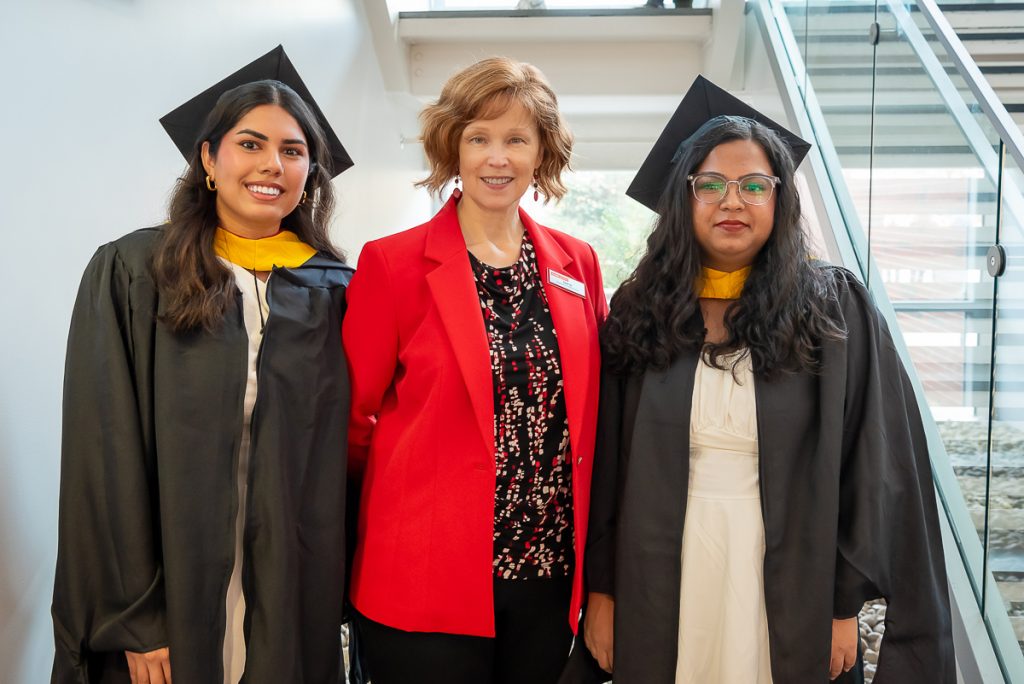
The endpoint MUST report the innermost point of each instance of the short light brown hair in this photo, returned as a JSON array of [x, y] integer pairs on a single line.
[[486, 90]]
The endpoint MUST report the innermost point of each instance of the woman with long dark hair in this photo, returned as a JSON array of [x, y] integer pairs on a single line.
[[205, 402], [761, 469]]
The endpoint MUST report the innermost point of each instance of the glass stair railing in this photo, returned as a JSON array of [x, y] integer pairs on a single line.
[[925, 166]]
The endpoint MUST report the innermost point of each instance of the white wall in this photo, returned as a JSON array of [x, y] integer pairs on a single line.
[[84, 160]]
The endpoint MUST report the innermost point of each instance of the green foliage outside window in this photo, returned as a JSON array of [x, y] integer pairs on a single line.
[[597, 210]]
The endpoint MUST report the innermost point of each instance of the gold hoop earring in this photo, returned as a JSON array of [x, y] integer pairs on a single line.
[[303, 200], [211, 185]]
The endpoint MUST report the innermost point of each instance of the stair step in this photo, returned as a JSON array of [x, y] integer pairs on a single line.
[[980, 6], [1018, 628]]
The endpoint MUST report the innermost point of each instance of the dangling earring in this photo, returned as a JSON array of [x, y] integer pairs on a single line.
[[536, 192], [456, 193], [211, 185], [303, 200]]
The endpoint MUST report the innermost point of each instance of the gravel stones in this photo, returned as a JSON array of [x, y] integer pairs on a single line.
[[872, 629]]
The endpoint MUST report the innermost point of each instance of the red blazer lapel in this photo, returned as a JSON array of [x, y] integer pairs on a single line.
[[454, 292], [569, 315]]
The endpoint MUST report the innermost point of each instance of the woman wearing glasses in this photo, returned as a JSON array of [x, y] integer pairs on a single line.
[[761, 469]]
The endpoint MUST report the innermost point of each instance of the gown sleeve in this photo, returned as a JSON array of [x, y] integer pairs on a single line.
[[889, 542], [108, 595], [604, 488]]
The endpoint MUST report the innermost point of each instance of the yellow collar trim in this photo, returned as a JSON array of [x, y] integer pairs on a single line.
[[722, 285], [285, 250]]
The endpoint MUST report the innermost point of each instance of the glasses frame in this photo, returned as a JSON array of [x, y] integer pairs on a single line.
[[775, 180]]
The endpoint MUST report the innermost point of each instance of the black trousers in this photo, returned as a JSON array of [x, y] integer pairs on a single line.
[[531, 644]]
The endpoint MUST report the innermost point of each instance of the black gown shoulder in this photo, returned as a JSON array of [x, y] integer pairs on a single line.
[[151, 429]]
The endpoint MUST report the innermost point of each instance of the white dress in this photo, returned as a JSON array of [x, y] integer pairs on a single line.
[[255, 310], [723, 628]]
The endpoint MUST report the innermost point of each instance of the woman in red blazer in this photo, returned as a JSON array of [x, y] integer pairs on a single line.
[[473, 353]]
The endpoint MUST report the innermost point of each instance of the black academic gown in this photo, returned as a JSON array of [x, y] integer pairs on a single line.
[[846, 496], [148, 496]]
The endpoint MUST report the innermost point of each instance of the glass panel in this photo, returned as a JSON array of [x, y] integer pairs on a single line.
[[933, 216], [920, 160], [833, 40], [797, 14], [1006, 542]]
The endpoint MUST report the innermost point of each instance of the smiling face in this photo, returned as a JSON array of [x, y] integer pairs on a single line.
[[730, 232], [260, 170], [498, 159]]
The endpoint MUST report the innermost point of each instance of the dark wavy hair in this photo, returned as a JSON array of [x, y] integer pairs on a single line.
[[787, 307], [195, 287]]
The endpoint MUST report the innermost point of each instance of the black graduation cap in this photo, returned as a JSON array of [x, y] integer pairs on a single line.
[[185, 122], [702, 102]]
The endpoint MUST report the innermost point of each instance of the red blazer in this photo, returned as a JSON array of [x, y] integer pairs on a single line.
[[422, 424]]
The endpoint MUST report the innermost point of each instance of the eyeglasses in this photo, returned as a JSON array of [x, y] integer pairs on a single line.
[[754, 188]]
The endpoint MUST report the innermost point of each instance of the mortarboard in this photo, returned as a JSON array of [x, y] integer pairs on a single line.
[[702, 102], [184, 123]]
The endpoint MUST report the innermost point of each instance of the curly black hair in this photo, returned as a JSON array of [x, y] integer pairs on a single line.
[[787, 308]]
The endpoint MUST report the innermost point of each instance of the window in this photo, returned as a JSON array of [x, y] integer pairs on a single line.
[[597, 210]]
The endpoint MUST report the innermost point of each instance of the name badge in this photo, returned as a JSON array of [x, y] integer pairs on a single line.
[[564, 282]]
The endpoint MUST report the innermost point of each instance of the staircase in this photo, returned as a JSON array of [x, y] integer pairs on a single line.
[[993, 32]]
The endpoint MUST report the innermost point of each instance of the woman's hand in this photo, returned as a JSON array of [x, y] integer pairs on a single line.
[[153, 667], [598, 627], [844, 646]]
